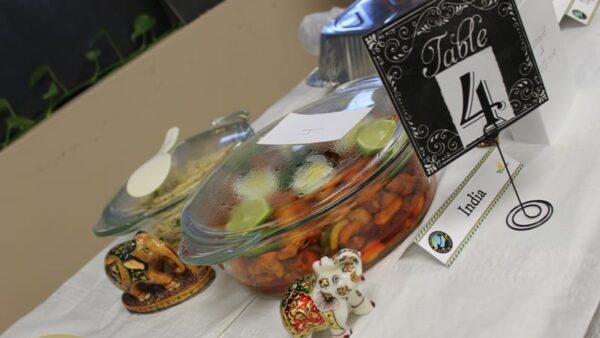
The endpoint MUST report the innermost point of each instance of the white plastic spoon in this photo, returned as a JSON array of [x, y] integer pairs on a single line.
[[150, 175]]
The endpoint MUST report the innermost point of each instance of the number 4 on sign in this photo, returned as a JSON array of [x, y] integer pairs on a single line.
[[480, 108], [488, 106], [476, 97], [518, 218]]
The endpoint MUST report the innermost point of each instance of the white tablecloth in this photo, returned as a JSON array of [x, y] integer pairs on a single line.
[[539, 283]]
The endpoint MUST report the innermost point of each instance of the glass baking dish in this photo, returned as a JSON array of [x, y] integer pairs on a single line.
[[270, 211]]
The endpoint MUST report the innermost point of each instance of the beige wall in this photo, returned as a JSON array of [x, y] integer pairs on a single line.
[[55, 180]]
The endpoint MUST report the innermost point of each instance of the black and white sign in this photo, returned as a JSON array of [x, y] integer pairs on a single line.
[[457, 71]]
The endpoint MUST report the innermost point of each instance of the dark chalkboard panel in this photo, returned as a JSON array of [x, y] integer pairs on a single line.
[[472, 61]]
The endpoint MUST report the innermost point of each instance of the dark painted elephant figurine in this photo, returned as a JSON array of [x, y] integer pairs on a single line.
[[151, 274], [323, 300]]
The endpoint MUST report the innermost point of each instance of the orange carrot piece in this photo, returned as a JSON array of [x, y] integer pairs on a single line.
[[402, 184], [348, 232], [386, 214], [289, 250], [418, 206], [387, 199], [371, 252]]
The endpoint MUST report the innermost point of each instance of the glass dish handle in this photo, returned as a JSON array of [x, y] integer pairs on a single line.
[[235, 117]]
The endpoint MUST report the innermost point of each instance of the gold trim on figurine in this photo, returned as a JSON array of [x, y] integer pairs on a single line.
[[151, 274]]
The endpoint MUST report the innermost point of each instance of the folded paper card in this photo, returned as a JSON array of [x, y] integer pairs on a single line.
[[314, 128], [561, 7], [583, 10], [453, 225], [544, 124]]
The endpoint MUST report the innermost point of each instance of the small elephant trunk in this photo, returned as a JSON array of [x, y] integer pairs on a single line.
[[172, 256]]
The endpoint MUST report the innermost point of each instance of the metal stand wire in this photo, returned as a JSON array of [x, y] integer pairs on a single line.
[[543, 209]]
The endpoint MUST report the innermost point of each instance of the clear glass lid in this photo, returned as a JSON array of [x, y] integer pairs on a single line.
[[261, 192], [188, 162]]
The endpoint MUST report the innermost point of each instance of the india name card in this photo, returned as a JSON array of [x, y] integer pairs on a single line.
[[453, 225]]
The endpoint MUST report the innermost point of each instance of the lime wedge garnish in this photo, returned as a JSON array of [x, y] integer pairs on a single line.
[[249, 214], [256, 184], [346, 144], [312, 176], [375, 136]]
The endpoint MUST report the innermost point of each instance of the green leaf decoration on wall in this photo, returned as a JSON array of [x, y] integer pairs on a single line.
[[141, 25], [57, 93], [51, 92], [19, 122], [93, 55], [38, 73], [5, 105]]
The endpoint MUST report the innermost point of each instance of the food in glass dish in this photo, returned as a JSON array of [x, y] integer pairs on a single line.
[[271, 211], [191, 160], [372, 221], [183, 180], [167, 227]]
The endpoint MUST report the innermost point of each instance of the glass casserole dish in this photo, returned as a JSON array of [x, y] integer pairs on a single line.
[[192, 159], [269, 211]]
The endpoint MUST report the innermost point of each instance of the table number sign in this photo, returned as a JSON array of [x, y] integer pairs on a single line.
[[457, 71]]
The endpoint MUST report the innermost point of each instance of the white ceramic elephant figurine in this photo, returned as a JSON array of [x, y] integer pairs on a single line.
[[323, 300]]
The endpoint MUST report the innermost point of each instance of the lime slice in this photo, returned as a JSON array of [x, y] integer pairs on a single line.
[[312, 176], [375, 136], [256, 184], [346, 144], [249, 214]]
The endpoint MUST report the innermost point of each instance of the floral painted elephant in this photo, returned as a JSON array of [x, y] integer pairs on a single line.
[[152, 275], [324, 299]]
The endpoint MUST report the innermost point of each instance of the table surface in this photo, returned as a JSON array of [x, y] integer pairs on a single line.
[[541, 283]]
